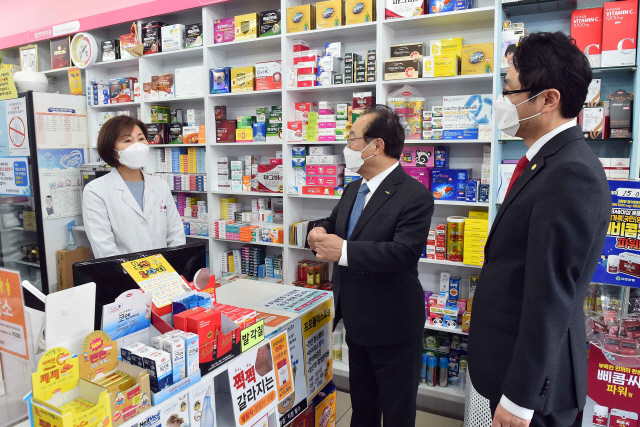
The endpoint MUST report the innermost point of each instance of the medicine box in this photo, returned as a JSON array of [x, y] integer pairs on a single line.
[[407, 50], [359, 11], [329, 14], [165, 86], [446, 66], [269, 75], [188, 81], [242, 79], [158, 365], [449, 184], [593, 122], [121, 89], [176, 349], [619, 32], [193, 35], [246, 26], [301, 18], [402, 68], [172, 37], [269, 23], [477, 59], [405, 9], [224, 30], [586, 30]]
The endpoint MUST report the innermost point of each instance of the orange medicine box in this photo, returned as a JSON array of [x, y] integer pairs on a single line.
[[325, 406], [206, 325]]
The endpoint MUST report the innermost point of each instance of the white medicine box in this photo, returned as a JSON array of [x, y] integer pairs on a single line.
[[189, 81], [172, 37]]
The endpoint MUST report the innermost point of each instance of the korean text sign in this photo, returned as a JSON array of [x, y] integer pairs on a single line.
[[259, 379], [14, 176], [13, 329], [614, 387], [316, 331], [620, 260]]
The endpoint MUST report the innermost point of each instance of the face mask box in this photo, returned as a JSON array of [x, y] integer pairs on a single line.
[[246, 26], [406, 9], [449, 184], [619, 32], [301, 18], [329, 14], [359, 11], [477, 59], [586, 30]]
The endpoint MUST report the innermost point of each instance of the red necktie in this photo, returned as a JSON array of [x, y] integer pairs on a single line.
[[522, 164]]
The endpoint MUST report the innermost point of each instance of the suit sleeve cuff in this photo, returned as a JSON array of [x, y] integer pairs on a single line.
[[518, 411], [343, 256]]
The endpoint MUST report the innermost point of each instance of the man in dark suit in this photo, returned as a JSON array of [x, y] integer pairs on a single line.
[[527, 340], [375, 236]]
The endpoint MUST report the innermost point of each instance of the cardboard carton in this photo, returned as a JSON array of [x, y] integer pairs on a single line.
[[66, 259]]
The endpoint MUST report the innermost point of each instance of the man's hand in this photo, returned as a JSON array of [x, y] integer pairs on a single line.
[[312, 238], [328, 247], [504, 418]]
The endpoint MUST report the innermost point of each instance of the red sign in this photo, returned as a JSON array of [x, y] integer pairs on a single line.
[[614, 389], [13, 329]]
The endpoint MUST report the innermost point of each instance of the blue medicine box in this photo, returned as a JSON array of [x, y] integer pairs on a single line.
[[449, 184]]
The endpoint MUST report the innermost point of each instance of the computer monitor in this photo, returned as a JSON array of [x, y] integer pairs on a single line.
[[112, 279]]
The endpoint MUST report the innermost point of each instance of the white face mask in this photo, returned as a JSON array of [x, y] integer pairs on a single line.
[[134, 156], [353, 159], [507, 114]]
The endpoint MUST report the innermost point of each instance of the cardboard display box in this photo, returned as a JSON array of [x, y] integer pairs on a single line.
[[66, 259]]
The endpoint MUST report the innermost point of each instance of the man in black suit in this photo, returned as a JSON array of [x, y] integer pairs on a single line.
[[527, 340], [375, 236]]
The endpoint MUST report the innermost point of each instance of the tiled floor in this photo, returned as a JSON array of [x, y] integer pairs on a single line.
[[423, 419]]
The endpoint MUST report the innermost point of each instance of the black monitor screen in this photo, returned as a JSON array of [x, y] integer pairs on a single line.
[[112, 279]]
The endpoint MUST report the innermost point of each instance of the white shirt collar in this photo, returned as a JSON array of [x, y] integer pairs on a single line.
[[533, 150], [375, 182]]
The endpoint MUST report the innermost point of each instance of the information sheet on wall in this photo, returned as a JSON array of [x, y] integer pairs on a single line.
[[60, 190], [14, 176], [316, 331], [17, 134], [60, 122]]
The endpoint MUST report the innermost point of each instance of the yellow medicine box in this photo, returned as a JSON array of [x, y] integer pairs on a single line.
[[427, 66], [359, 11], [479, 214], [477, 59], [329, 14], [301, 18], [244, 135], [242, 79], [246, 26], [445, 66], [446, 47]]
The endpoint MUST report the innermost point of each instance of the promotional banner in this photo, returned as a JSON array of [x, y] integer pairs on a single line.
[[13, 328], [620, 259], [130, 313], [61, 193], [7, 86], [14, 176], [17, 127], [295, 300], [259, 379], [316, 331], [613, 394], [155, 275], [293, 405]]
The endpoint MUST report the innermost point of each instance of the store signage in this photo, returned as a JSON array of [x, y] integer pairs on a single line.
[[613, 390], [316, 332], [13, 328], [17, 133], [293, 405], [620, 260], [271, 320], [155, 275], [130, 313], [295, 300], [259, 379], [252, 335], [7, 86], [84, 16]]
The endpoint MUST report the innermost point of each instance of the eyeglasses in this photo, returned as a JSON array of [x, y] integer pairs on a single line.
[[511, 92], [350, 140]]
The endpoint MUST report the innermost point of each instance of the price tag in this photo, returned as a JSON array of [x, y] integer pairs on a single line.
[[252, 335], [631, 193]]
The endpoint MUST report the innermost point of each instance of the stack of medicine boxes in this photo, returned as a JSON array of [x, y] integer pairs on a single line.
[[475, 237]]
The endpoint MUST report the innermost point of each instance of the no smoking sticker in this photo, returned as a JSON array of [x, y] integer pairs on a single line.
[[17, 131]]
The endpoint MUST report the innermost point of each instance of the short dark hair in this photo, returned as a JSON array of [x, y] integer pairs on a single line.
[[386, 126], [110, 132], [548, 60]]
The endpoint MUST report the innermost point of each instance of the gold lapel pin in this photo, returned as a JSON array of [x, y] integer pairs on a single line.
[[386, 192], [533, 167]]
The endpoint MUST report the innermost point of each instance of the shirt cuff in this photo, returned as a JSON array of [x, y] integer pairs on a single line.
[[343, 256], [518, 411]]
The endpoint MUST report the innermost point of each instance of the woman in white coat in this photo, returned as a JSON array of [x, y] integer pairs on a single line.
[[128, 210]]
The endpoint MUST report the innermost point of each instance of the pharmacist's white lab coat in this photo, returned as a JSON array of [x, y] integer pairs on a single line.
[[115, 224]]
